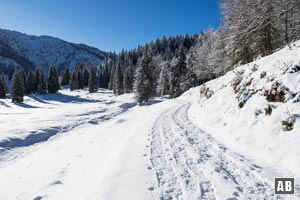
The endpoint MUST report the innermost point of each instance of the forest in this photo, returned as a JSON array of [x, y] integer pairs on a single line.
[[172, 65]]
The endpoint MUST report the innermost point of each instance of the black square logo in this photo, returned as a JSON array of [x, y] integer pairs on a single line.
[[284, 185]]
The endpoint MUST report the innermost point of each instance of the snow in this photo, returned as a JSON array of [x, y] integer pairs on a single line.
[[99, 151], [260, 138], [44, 51], [76, 145]]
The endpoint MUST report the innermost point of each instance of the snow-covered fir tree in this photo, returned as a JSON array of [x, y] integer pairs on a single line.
[[143, 85], [93, 80], [42, 87], [118, 86], [30, 82], [128, 77], [164, 79], [37, 79], [74, 82], [2, 78], [2, 89], [66, 77], [53, 84], [178, 72], [85, 75], [17, 87]]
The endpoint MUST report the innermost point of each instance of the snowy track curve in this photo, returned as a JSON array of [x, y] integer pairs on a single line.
[[190, 164]]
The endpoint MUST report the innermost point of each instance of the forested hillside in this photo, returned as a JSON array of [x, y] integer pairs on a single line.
[[170, 66]]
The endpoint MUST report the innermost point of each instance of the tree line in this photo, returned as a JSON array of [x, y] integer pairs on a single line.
[[36, 82], [249, 29]]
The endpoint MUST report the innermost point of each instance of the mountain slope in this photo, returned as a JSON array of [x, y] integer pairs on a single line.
[[22, 49], [255, 110]]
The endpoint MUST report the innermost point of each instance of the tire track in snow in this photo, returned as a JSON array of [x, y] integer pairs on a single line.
[[189, 164]]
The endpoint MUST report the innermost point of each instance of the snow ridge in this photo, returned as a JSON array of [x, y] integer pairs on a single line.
[[44, 51]]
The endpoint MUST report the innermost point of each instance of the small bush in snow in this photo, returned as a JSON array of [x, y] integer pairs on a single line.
[[268, 110], [241, 104], [263, 74], [254, 68], [276, 93], [294, 69], [205, 92], [236, 81], [248, 83], [288, 124]]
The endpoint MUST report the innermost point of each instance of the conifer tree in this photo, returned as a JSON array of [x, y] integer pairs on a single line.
[[42, 87], [128, 76], [74, 81], [23, 74], [111, 78], [53, 84], [92, 80], [144, 78], [2, 77], [66, 77], [18, 87], [2, 89], [85, 75], [164, 80], [37, 79], [118, 80], [79, 79], [177, 74], [30, 83]]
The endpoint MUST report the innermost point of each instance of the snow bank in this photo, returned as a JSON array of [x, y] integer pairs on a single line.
[[235, 114]]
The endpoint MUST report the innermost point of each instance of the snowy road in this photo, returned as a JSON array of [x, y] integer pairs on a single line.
[[124, 152], [190, 164]]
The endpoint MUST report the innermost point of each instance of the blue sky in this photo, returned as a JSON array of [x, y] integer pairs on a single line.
[[109, 24]]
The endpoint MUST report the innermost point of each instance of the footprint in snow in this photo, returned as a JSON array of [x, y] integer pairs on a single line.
[[57, 182], [151, 188]]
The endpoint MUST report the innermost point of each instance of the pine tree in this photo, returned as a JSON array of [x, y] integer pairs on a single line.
[[53, 84], [2, 89], [86, 76], [118, 80], [144, 79], [42, 87], [30, 83], [104, 75], [37, 73], [177, 74], [66, 77], [79, 79], [93, 80], [18, 87], [128, 79], [23, 73], [164, 79], [190, 79], [74, 81], [2, 77]]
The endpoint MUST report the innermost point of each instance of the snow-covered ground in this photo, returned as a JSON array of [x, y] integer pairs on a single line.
[[99, 147], [76, 145]]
